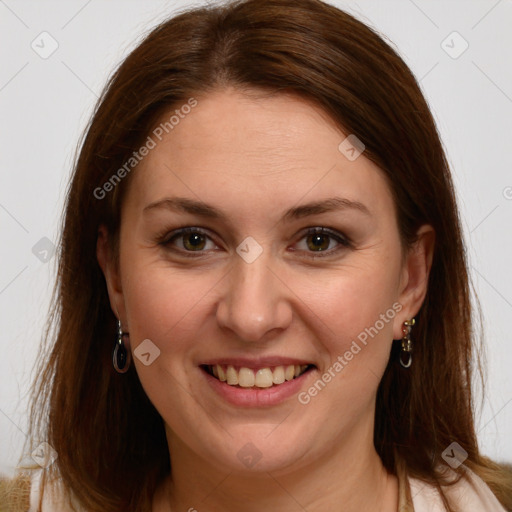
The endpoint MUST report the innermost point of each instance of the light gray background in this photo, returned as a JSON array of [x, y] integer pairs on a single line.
[[45, 104]]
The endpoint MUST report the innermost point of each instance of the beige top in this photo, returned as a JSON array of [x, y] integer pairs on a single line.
[[469, 494]]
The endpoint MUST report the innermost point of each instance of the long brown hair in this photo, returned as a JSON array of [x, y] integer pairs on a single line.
[[110, 440]]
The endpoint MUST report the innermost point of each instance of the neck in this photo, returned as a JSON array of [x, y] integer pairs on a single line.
[[339, 480]]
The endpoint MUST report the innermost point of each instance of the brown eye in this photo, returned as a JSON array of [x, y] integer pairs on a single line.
[[318, 242], [193, 241], [188, 240], [322, 240]]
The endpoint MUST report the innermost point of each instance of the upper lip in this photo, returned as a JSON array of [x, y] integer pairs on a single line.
[[254, 363]]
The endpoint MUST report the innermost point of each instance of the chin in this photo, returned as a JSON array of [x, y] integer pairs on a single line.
[[259, 447]]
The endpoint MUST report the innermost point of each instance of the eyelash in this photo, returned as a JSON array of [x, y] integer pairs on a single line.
[[165, 240]]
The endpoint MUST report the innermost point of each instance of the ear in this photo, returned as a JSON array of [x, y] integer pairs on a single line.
[[111, 273], [414, 278]]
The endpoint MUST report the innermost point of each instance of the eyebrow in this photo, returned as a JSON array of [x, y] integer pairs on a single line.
[[186, 205]]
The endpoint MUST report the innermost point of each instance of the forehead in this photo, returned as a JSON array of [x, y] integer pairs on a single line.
[[253, 153]]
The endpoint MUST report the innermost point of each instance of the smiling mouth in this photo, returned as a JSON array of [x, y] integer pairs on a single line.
[[261, 378]]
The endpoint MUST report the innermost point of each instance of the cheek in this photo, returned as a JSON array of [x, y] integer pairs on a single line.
[[163, 304], [350, 302], [169, 308], [354, 313], [356, 321]]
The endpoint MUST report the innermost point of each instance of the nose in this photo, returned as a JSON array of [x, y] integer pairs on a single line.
[[254, 301]]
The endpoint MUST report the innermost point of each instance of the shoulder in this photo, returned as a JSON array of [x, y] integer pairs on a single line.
[[15, 493], [23, 493], [469, 493], [52, 496]]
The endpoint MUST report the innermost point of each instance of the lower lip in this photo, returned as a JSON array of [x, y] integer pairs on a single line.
[[257, 397]]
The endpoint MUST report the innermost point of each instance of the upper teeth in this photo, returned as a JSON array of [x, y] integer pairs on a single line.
[[262, 378]]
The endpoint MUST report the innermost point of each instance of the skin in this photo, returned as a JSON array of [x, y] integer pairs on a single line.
[[254, 157]]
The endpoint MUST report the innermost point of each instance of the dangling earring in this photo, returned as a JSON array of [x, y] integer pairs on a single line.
[[406, 344], [121, 356]]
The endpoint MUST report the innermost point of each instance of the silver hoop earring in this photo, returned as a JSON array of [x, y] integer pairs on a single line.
[[406, 344], [121, 356]]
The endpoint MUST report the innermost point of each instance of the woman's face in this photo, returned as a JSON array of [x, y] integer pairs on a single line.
[[253, 288]]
